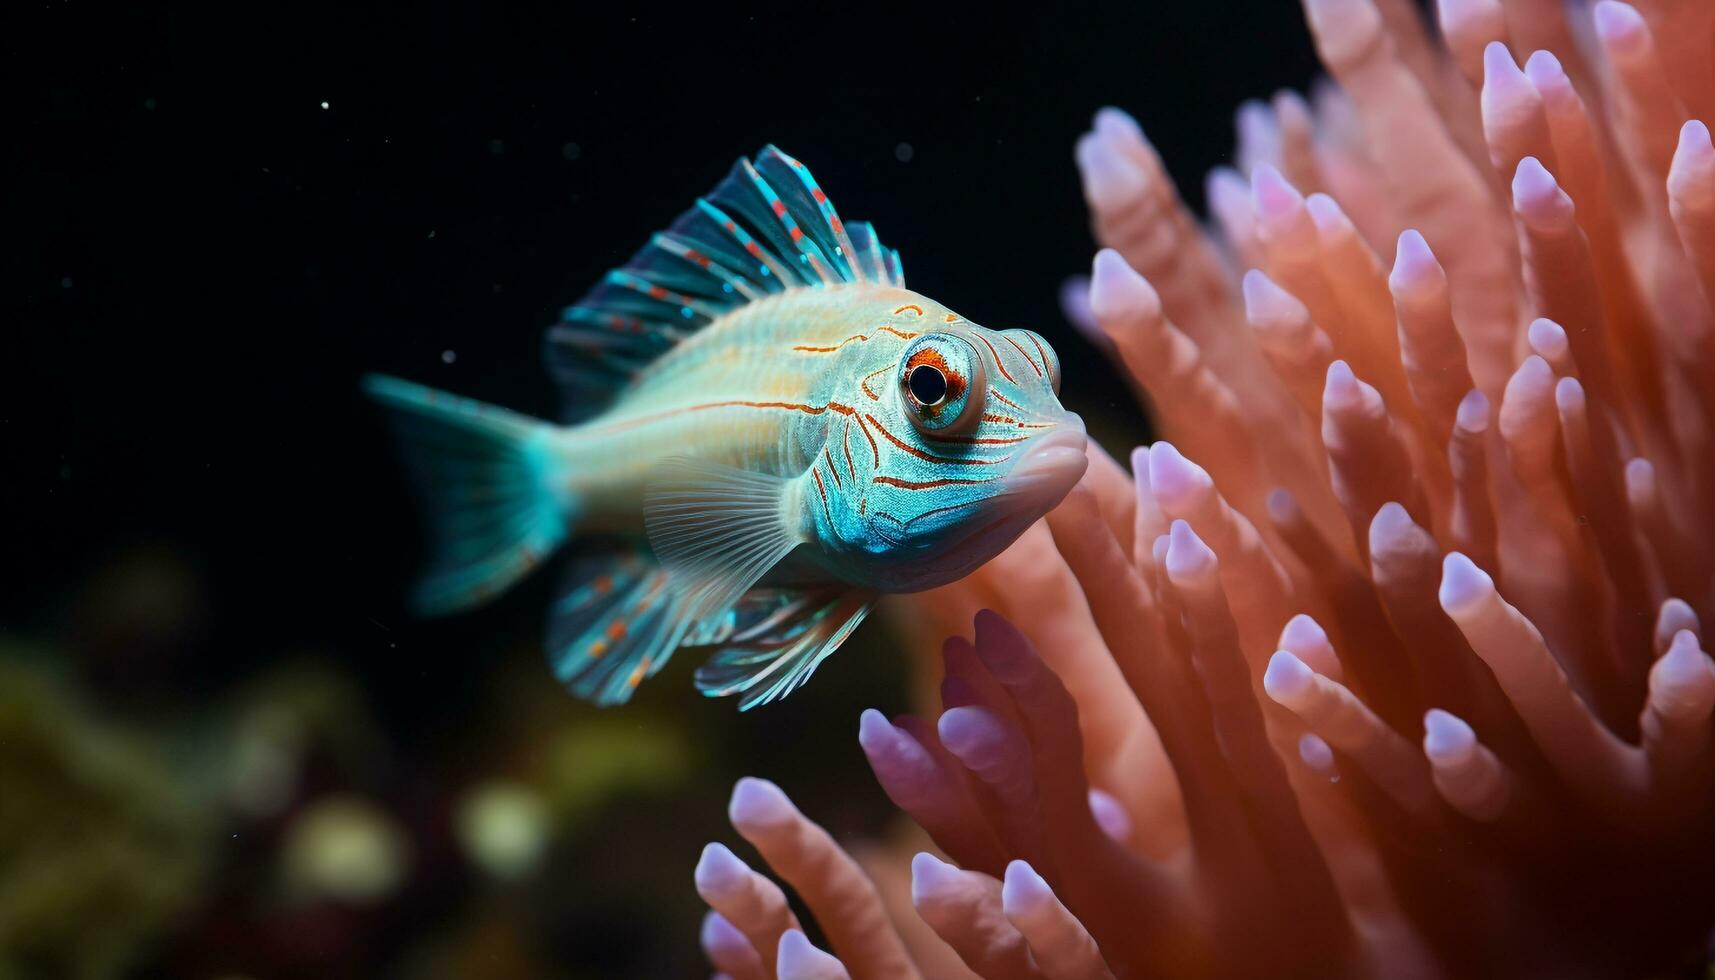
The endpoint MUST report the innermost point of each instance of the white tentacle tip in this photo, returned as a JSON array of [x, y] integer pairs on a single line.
[[1119, 292], [1114, 121], [1318, 755], [719, 871], [1465, 588], [1341, 389], [931, 878], [1447, 739], [1618, 23], [1547, 338], [1501, 74], [1537, 196], [719, 935], [1414, 263], [1682, 682], [1176, 480], [1287, 679], [1110, 814], [800, 960], [970, 732], [1271, 195], [758, 803], [1024, 892], [1544, 70], [1473, 412], [1188, 558]]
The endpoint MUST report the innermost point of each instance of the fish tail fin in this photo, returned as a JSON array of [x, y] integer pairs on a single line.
[[485, 477]]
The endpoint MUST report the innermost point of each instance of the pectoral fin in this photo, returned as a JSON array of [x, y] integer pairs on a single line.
[[717, 531]]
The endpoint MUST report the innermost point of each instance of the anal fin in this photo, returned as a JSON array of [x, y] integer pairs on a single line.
[[615, 625]]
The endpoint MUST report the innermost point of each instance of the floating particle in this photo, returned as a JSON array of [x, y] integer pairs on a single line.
[[904, 152], [65, 283], [324, 105], [497, 147], [571, 151], [447, 356]]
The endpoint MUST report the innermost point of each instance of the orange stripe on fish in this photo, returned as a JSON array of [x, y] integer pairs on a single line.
[[873, 448], [975, 440], [632, 423], [864, 384], [1012, 421], [997, 361], [894, 481], [828, 350], [1026, 354], [822, 489], [931, 457], [1039, 348]]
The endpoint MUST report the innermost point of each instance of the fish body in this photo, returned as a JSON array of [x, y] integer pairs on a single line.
[[766, 430]]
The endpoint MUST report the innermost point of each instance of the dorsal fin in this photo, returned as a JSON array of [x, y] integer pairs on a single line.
[[766, 228]]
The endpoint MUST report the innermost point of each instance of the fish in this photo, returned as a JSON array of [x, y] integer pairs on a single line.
[[763, 431]]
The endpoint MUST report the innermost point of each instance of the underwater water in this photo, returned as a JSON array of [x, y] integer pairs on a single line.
[[1384, 659]]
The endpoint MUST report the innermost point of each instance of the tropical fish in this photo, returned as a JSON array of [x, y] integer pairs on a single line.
[[764, 431]]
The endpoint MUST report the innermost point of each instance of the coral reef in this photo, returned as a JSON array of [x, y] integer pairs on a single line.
[[1387, 660]]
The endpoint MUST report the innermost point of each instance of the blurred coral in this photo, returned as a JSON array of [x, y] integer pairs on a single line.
[[102, 843], [343, 848], [504, 828], [1388, 660], [300, 722], [587, 765]]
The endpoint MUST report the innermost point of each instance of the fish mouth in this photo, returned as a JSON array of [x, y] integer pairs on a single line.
[[1051, 465]]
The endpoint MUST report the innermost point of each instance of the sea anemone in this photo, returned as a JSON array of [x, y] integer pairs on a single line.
[[1387, 661]]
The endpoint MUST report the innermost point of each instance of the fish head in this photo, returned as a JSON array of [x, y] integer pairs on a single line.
[[968, 445]]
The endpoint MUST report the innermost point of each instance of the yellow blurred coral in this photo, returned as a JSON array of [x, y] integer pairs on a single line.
[[343, 848], [102, 843]]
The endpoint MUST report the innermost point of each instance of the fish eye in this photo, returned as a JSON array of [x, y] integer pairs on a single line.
[[928, 385], [941, 383]]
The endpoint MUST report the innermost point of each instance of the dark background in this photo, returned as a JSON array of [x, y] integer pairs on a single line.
[[199, 261]]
